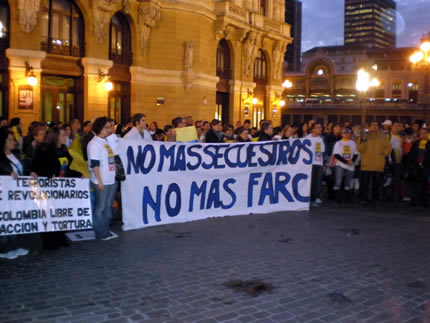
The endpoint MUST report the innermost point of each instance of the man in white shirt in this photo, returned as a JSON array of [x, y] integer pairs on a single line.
[[102, 167], [345, 152], [318, 149], [139, 131]]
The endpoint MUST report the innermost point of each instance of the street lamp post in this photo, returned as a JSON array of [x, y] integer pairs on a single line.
[[421, 59], [362, 85]]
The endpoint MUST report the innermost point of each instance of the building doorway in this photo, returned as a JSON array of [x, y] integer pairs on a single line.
[[60, 95]]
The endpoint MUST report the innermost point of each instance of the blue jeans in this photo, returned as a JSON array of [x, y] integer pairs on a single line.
[[339, 174], [102, 212]]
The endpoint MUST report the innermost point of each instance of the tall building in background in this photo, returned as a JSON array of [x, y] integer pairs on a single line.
[[371, 23], [293, 16]]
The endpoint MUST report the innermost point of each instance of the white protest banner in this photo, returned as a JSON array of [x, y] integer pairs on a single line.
[[30, 205], [179, 182]]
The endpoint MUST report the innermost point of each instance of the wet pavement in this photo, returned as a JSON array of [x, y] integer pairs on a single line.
[[327, 265]]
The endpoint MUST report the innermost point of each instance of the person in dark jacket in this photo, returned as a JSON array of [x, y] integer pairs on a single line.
[[52, 159], [330, 140], [419, 163], [243, 135], [214, 135], [10, 165], [266, 132]]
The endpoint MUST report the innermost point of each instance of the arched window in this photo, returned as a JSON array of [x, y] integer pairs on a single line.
[[223, 67], [4, 24], [62, 28], [260, 67], [120, 40]]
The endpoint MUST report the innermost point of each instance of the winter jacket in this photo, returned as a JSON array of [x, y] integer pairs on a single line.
[[374, 151]]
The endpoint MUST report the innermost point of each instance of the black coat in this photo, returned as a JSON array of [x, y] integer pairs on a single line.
[[212, 137], [264, 137], [46, 161], [413, 154], [6, 165]]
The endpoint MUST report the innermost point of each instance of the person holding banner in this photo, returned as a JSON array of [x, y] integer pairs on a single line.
[[318, 149], [52, 159], [214, 135], [10, 165], [103, 170]]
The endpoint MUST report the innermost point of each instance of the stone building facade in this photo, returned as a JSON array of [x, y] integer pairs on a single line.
[[165, 58]]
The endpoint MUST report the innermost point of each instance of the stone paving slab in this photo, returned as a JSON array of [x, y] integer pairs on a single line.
[[326, 265]]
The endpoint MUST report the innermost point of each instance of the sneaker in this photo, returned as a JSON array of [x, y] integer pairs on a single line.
[[314, 204], [110, 237], [22, 251], [318, 201]]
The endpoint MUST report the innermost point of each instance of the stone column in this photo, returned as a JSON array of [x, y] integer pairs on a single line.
[[95, 94], [17, 60]]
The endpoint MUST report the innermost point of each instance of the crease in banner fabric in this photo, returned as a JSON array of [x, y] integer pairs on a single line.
[[179, 182], [29, 205]]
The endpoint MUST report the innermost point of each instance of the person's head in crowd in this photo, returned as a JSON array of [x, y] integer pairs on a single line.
[[346, 134], [415, 127], [267, 128], [423, 134], [67, 129], [238, 124], [206, 126], [129, 123], [198, 124], [409, 134], [153, 126], [159, 135], [228, 130], [118, 129], [311, 123], [87, 126], [247, 124], [395, 128], [347, 124], [75, 124], [336, 130], [168, 130], [139, 121], [188, 121], [287, 132], [38, 133], [374, 127], [111, 126], [277, 131], [316, 129], [101, 127], [7, 142], [329, 128], [15, 123], [178, 122], [387, 125], [216, 125], [3, 122], [401, 127], [243, 134], [55, 137], [302, 130], [253, 131], [51, 124]]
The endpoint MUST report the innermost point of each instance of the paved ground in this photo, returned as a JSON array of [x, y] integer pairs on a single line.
[[329, 265]]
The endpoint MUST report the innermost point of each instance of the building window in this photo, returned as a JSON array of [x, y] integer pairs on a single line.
[[223, 69], [120, 40], [397, 89], [4, 25], [260, 67], [263, 7], [62, 28]]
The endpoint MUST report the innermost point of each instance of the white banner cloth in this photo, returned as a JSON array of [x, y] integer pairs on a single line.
[[179, 182], [43, 205]]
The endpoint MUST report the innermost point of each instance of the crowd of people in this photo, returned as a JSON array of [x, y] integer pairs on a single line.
[[371, 163]]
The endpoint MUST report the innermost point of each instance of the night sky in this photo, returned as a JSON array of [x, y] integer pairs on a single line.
[[323, 22]]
